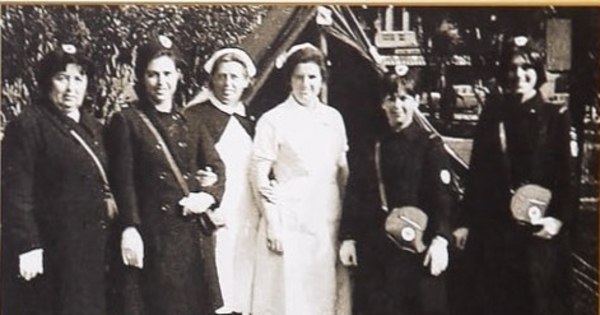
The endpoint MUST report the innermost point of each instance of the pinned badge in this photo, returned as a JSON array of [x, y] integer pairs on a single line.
[[68, 49], [574, 148], [573, 144], [401, 70], [445, 176], [534, 213], [165, 41], [408, 234], [520, 41]]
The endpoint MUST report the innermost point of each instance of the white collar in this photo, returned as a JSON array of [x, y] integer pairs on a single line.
[[237, 108], [75, 115], [291, 101], [164, 108]]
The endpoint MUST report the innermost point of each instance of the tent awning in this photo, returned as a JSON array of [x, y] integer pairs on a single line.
[[281, 27]]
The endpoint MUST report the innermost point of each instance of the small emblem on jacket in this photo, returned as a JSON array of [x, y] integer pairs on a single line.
[[574, 146], [445, 176]]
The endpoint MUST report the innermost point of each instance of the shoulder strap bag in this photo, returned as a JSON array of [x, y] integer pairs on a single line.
[[207, 225], [406, 225]]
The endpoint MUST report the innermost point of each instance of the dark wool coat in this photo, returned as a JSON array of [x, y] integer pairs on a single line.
[[414, 168], [513, 271], [53, 198], [179, 274]]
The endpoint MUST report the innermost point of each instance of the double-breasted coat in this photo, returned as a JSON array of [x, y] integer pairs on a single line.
[[53, 198], [516, 272], [232, 129], [415, 172], [179, 273]]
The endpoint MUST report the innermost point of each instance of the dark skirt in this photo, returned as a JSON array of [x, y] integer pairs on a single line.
[[519, 274], [390, 281]]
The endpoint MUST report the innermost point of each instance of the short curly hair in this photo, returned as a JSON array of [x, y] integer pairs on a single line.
[[57, 61]]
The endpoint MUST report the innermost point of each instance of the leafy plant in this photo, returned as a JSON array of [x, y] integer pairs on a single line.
[[110, 34]]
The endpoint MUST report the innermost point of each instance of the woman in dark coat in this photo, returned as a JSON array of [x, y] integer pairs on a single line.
[[410, 167], [55, 197], [161, 234], [520, 264]]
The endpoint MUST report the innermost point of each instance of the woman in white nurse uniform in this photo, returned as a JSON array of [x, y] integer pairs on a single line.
[[224, 115], [301, 145]]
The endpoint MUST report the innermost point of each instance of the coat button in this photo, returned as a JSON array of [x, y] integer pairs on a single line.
[[174, 117], [182, 144], [186, 176], [164, 208], [103, 225], [162, 176], [158, 146]]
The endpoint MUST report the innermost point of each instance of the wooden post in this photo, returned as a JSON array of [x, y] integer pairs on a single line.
[[323, 46]]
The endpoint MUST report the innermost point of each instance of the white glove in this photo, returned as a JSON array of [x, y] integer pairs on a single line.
[[437, 256], [31, 264], [551, 227], [348, 253], [461, 235], [132, 248], [196, 203], [206, 177]]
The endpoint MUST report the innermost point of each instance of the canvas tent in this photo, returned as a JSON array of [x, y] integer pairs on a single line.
[[352, 85], [354, 73]]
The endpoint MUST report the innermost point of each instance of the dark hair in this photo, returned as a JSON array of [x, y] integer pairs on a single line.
[[392, 81], [57, 61], [306, 55], [149, 51], [532, 56]]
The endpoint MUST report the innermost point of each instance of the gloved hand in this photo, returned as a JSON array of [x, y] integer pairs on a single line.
[[461, 235], [206, 177], [348, 253], [196, 203], [550, 227], [31, 264], [437, 256], [132, 248]]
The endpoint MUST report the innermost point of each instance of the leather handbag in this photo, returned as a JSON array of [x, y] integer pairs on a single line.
[[529, 203], [405, 226]]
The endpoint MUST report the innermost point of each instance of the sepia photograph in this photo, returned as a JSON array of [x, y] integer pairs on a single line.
[[270, 159]]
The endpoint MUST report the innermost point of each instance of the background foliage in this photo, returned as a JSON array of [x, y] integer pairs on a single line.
[[109, 35]]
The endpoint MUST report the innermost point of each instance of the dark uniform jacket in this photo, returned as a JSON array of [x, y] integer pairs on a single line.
[[414, 168], [523, 274], [179, 274], [412, 163], [216, 120], [53, 198]]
